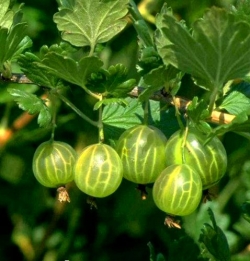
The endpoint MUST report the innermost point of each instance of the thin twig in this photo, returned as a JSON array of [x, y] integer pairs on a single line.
[[182, 103]]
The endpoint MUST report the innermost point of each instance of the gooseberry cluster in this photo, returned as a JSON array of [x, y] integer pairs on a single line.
[[179, 168]]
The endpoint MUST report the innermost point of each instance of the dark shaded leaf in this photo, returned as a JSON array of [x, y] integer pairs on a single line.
[[245, 208], [215, 52], [111, 82], [215, 240]]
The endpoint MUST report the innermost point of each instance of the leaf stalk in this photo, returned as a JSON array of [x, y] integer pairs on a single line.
[[75, 109]]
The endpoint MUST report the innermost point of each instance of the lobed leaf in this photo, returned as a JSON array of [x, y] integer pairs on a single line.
[[214, 52], [29, 63], [32, 104], [70, 70], [86, 23], [236, 103], [122, 117], [111, 82], [110, 101], [198, 113], [163, 77], [13, 42], [215, 240]]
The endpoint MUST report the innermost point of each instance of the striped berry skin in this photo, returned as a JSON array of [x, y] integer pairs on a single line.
[[143, 153], [209, 160], [98, 170], [53, 163], [178, 190]]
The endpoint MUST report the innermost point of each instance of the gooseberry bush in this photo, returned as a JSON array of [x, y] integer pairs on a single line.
[[154, 137]]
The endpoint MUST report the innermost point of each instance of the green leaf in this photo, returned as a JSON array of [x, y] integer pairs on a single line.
[[86, 23], [110, 101], [116, 118], [183, 249], [141, 27], [5, 95], [198, 112], [111, 82], [215, 240], [32, 104], [236, 103], [239, 124], [70, 70], [215, 52], [6, 15], [122, 117], [241, 10], [12, 42], [166, 77], [148, 59], [160, 257], [245, 209], [29, 65], [23, 45]]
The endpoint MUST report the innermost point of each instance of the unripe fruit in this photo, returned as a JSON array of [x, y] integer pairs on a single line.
[[98, 170], [178, 190], [53, 163], [209, 160], [143, 154]]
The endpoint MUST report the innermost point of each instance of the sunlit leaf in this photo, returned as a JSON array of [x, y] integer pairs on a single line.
[[86, 23], [6, 15], [122, 117], [236, 103]]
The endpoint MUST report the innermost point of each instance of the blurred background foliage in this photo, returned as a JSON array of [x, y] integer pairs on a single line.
[[35, 226]]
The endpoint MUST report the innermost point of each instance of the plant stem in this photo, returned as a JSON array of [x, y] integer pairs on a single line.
[[146, 112], [184, 144], [53, 108], [227, 193], [79, 112], [92, 49], [177, 114], [213, 97], [100, 124], [96, 96]]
